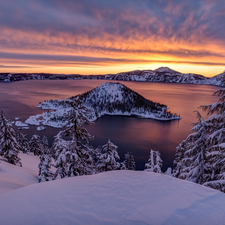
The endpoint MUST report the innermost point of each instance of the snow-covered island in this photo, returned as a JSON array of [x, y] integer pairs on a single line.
[[106, 99]]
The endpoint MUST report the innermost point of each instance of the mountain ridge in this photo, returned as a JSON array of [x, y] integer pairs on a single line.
[[162, 74]]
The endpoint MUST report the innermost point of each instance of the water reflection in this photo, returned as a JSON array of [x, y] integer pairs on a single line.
[[20, 99]]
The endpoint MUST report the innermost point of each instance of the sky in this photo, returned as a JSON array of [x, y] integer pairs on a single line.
[[110, 36]]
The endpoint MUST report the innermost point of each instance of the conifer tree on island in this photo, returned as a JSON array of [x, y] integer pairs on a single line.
[[9, 148], [107, 160], [23, 142], [154, 163]]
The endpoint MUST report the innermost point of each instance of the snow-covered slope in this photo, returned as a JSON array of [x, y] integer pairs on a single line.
[[13, 177], [117, 99], [218, 80], [108, 98], [162, 74], [118, 197]]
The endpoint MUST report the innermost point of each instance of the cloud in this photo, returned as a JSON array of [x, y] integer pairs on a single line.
[[105, 31], [76, 60], [8, 66]]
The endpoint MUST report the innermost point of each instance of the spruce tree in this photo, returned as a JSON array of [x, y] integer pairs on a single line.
[[216, 142], [45, 144], [9, 148], [35, 145], [58, 145], [107, 160], [193, 165], [179, 156], [61, 165], [129, 163], [23, 142], [154, 162], [79, 157], [45, 165]]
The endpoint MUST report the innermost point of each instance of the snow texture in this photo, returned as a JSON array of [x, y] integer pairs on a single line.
[[20, 124], [41, 128], [117, 197], [13, 177]]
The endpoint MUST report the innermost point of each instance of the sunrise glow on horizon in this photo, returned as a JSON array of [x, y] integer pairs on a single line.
[[103, 37]]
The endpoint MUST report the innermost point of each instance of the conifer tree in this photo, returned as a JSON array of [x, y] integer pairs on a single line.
[[179, 156], [107, 161], [79, 157], [129, 163], [23, 142], [154, 162], [45, 164], [58, 145], [45, 144], [216, 142], [35, 145], [193, 164], [61, 165], [9, 148]]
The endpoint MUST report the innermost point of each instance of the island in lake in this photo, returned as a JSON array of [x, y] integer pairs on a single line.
[[106, 99]]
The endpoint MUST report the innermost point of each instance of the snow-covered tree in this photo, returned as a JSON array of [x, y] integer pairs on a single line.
[[77, 118], [77, 154], [128, 163], [80, 161], [35, 145], [23, 142], [154, 163], [107, 160], [45, 145], [179, 156], [9, 148], [216, 142], [169, 171], [58, 145], [61, 165], [44, 166], [193, 166]]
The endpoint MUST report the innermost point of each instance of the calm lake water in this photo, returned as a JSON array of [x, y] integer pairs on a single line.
[[20, 99]]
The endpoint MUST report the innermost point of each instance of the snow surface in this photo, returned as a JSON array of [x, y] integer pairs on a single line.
[[41, 128], [20, 124], [24, 128], [13, 177], [117, 197]]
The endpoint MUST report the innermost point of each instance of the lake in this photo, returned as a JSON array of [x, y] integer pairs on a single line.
[[132, 134]]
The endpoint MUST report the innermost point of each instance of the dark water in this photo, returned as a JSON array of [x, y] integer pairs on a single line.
[[20, 99]]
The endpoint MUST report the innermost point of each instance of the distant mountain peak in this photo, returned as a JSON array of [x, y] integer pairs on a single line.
[[165, 69]]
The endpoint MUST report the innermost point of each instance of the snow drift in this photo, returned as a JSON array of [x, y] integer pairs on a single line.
[[118, 197]]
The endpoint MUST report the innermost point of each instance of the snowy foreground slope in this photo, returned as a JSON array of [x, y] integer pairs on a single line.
[[117, 197], [107, 99], [13, 177]]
